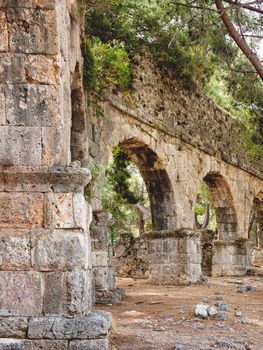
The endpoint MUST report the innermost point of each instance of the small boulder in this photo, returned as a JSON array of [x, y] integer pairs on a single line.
[[221, 305], [221, 315], [238, 313], [212, 311], [243, 289], [201, 311]]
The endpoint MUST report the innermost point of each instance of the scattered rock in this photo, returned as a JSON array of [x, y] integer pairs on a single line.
[[156, 302], [179, 347], [238, 313], [159, 329], [225, 344], [212, 311], [221, 305], [203, 278], [120, 292], [242, 289], [221, 315], [219, 296], [201, 311]]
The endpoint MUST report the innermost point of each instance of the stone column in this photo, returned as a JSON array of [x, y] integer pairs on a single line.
[[175, 257], [45, 250], [104, 277], [258, 252], [232, 258], [45, 261]]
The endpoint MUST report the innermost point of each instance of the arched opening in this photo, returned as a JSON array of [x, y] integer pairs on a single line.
[[222, 201], [157, 182], [138, 207], [255, 233], [157, 215], [222, 253], [205, 221]]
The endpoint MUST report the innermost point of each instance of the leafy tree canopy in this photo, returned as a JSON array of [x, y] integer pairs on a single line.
[[190, 39]]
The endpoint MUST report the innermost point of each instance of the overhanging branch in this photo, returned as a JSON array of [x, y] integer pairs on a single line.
[[241, 43]]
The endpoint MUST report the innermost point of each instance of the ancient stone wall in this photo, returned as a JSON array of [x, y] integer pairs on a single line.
[[178, 139], [45, 246], [131, 256]]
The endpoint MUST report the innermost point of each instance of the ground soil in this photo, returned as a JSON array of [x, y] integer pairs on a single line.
[[162, 317]]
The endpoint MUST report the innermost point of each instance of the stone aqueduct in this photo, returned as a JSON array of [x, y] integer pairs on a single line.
[[50, 135]]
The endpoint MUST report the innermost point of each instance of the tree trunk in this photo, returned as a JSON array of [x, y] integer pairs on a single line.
[[241, 43]]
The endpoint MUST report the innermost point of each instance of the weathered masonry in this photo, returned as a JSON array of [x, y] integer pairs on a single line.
[[48, 138], [45, 248], [178, 139]]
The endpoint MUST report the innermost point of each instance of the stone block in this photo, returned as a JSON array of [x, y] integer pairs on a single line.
[[21, 293], [20, 145], [46, 345], [3, 32], [15, 250], [68, 293], [52, 140], [93, 344], [80, 211], [100, 258], [59, 250], [78, 293], [54, 293], [12, 344], [41, 327], [23, 179], [64, 210], [43, 4], [100, 237], [49, 217], [12, 68], [91, 327], [13, 327], [2, 109], [95, 325], [32, 105], [21, 210], [32, 30], [41, 69], [101, 277]]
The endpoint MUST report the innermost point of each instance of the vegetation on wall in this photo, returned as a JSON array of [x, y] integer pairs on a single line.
[[199, 208], [189, 40], [122, 190]]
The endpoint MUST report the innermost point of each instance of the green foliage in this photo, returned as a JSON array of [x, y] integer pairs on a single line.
[[192, 43], [89, 64], [120, 176], [123, 188], [90, 189], [199, 208], [106, 65]]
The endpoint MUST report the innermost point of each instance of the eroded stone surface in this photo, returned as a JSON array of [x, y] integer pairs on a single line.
[[21, 210], [96, 325], [21, 293]]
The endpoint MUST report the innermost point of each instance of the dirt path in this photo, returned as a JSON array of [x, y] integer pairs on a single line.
[[162, 317]]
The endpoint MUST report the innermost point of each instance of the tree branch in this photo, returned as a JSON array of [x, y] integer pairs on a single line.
[[254, 60], [245, 6], [189, 5]]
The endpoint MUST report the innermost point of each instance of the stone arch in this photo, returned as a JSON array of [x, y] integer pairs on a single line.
[[224, 206], [157, 182]]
